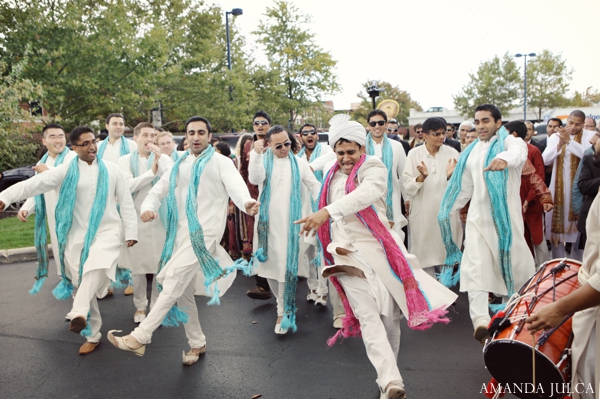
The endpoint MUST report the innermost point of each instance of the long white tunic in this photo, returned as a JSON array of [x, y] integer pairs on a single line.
[[550, 154], [279, 211], [112, 152], [349, 233], [50, 197], [219, 182], [143, 258], [480, 265], [106, 246], [425, 234]]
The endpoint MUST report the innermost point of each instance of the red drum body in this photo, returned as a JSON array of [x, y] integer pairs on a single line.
[[508, 354]]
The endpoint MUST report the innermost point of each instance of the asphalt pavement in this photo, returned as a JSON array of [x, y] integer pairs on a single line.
[[244, 357]]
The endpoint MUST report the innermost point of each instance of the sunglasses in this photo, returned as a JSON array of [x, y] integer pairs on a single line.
[[259, 123], [380, 123], [419, 131], [449, 130], [392, 130], [307, 132], [287, 144]]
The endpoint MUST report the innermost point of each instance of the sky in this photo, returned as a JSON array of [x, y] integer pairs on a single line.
[[428, 48]]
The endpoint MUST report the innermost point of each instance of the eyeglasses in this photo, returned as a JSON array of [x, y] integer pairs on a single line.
[[435, 134], [392, 130], [86, 144], [258, 123], [419, 131], [380, 123], [307, 132], [287, 144], [449, 130]]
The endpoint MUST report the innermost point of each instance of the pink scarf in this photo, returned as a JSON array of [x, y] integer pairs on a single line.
[[421, 316]]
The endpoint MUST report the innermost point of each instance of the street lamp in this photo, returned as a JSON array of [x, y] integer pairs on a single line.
[[525, 81], [373, 90], [235, 12]]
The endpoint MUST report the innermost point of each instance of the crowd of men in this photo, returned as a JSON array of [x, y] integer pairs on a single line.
[[376, 224]]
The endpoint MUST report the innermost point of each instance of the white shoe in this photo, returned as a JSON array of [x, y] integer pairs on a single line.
[[191, 358], [321, 300], [393, 391], [312, 296], [139, 316], [337, 323], [278, 329]]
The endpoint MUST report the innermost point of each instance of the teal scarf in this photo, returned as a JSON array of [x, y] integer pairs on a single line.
[[387, 157], [315, 154], [175, 156], [293, 245], [40, 234], [124, 147], [64, 220], [134, 166], [497, 186]]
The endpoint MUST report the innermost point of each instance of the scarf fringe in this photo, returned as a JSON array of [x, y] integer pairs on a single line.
[[261, 255], [37, 286], [497, 307], [422, 321], [246, 267], [121, 275], [214, 300], [289, 321], [87, 331], [350, 328], [175, 317], [63, 290], [447, 277]]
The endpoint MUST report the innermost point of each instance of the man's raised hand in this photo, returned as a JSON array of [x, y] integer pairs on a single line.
[[148, 216], [313, 222]]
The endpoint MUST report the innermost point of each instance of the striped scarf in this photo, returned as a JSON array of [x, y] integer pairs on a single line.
[[64, 220], [124, 147], [420, 314], [293, 245], [40, 234], [387, 157]]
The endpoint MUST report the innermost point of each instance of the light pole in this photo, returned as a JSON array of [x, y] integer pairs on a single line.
[[374, 92], [235, 12], [525, 81]]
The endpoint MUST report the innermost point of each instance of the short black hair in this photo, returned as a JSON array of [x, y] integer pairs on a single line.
[[518, 127], [51, 126], [278, 129], [433, 124], [198, 119], [262, 114], [114, 115], [343, 140], [578, 114], [492, 109], [78, 131], [307, 124], [556, 120], [377, 112], [223, 148]]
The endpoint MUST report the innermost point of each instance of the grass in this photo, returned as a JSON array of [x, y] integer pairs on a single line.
[[16, 234]]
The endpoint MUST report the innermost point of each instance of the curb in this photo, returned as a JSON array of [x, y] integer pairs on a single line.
[[21, 254]]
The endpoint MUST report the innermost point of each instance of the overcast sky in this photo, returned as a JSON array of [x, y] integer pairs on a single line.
[[428, 48]]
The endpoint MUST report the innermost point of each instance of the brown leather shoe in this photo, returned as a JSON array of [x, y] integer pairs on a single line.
[[128, 291], [88, 347], [78, 324], [259, 293]]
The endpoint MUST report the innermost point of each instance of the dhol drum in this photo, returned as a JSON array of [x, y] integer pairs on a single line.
[[508, 353]]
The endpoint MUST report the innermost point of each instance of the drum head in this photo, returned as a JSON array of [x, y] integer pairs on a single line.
[[510, 362]]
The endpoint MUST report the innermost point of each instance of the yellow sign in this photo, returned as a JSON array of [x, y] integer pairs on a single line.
[[390, 107]]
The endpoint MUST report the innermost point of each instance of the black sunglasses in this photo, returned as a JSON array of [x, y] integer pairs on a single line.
[[257, 123], [380, 123], [287, 144], [392, 130], [307, 132]]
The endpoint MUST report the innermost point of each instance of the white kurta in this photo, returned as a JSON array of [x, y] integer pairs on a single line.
[[50, 197], [105, 249], [425, 234], [143, 258], [349, 233], [550, 158], [480, 265], [219, 182], [279, 211], [112, 152]]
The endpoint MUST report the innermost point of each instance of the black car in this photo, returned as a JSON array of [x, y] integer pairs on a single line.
[[13, 176]]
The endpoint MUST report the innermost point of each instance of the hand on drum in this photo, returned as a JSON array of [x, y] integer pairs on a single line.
[[547, 317]]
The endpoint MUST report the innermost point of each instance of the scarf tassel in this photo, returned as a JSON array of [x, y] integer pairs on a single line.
[[87, 331], [215, 300], [261, 255], [422, 321], [121, 275], [447, 276], [350, 328], [289, 321], [63, 290], [37, 286], [242, 265], [497, 307], [175, 317]]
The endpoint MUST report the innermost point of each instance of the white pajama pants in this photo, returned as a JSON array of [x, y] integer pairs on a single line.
[[277, 289], [478, 308], [140, 296], [380, 333], [558, 251], [178, 288], [336, 302], [85, 301], [586, 370], [316, 281]]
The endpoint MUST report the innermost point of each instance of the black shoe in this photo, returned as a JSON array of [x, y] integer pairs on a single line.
[[259, 293]]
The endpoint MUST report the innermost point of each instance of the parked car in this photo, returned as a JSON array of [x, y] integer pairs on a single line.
[[13, 176]]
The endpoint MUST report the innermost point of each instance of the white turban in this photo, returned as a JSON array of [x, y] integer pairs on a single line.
[[343, 128]]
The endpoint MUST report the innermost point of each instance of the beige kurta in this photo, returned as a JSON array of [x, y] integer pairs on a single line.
[[425, 234], [105, 249], [480, 265], [348, 232], [50, 197], [279, 211], [143, 258], [219, 182]]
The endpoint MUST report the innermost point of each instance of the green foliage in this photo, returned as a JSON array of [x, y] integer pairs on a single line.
[[588, 98], [547, 82], [497, 81], [390, 92], [16, 147], [303, 71]]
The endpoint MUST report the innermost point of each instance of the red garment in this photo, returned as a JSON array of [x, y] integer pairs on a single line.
[[535, 156], [245, 222], [534, 190]]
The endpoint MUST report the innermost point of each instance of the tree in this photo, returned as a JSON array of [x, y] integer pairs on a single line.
[[547, 82], [390, 92], [496, 81], [304, 70], [588, 98]]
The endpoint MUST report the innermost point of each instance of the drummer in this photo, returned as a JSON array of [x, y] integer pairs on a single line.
[[585, 303]]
